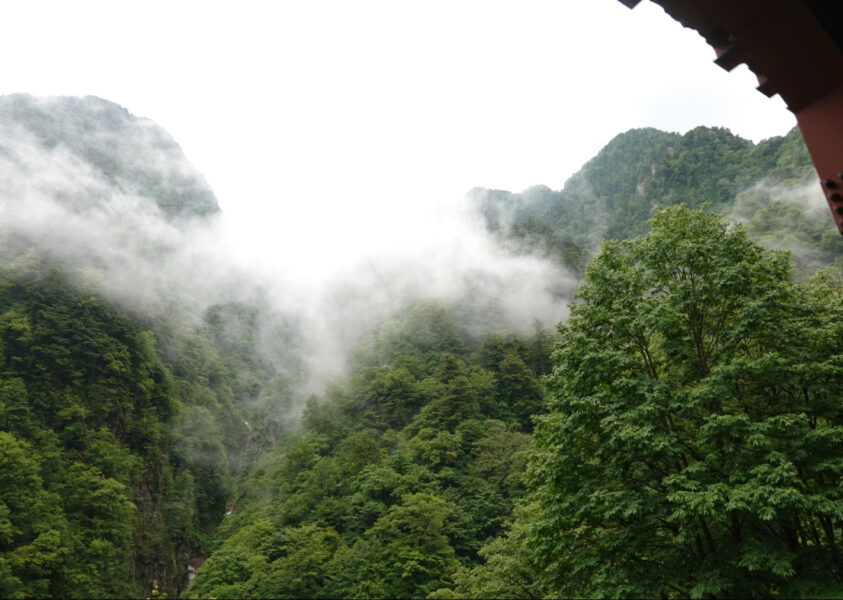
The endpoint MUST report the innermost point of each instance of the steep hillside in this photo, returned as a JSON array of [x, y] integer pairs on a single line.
[[769, 186], [93, 139], [156, 406], [126, 387], [395, 478]]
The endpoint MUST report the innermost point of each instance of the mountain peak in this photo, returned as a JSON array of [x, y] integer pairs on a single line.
[[131, 153]]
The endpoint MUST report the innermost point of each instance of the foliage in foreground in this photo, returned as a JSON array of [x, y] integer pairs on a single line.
[[694, 444]]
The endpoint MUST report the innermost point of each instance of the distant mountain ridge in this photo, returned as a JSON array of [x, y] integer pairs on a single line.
[[130, 153], [769, 186]]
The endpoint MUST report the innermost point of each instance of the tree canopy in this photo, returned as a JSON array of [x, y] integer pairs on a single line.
[[694, 440]]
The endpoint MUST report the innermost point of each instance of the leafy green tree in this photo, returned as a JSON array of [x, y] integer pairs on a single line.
[[517, 389], [394, 391], [180, 514], [31, 527], [316, 496], [99, 512], [694, 444], [15, 412], [405, 554], [228, 572], [501, 457], [357, 451], [299, 565], [508, 569], [372, 492], [455, 396], [476, 511]]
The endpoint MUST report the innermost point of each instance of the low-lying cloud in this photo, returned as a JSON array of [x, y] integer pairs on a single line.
[[339, 274]]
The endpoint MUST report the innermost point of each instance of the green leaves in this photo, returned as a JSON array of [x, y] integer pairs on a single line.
[[692, 446], [31, 523]]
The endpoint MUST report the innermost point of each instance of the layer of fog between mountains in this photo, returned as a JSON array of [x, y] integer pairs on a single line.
[[113, 197]]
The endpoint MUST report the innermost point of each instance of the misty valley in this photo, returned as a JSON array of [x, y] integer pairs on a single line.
[[629, 387]]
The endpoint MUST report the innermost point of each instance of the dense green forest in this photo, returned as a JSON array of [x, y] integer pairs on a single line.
[[769, 187], [394, 480], [98, 488], [679, 435]]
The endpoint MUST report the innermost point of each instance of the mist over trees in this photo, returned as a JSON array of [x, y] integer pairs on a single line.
[[769, 187], [419, 429]]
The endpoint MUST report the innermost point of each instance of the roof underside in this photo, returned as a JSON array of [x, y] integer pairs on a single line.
[[795, 48]]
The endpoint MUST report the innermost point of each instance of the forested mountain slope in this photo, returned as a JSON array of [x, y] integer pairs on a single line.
[[90, 138], [155, 404], [394, 479], [123, 410], [770, 187], [422, 419]]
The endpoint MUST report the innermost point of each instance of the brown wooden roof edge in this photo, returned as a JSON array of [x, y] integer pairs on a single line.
[[795, 48]]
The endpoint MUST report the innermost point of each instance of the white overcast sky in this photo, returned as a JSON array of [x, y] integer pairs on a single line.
[[349, 115]]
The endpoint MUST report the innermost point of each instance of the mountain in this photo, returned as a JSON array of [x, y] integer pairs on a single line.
[[408, 479], [126, 377], [770, 187], [107, 195], [155, 406], [106, 143]]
